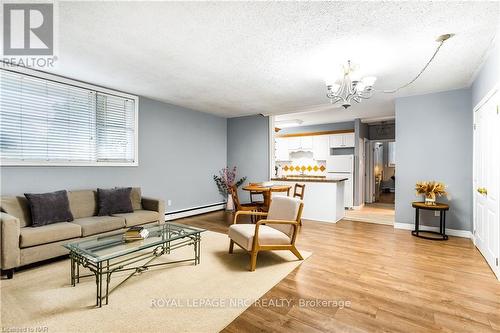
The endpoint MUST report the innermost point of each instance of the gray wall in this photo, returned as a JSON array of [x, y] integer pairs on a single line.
[[434, 142], [488, 76], [318, 128], [179, 152], [248, 148]]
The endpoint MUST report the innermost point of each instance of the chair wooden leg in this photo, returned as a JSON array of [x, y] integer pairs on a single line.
[[296, 252], [231, 246], [253, 260]]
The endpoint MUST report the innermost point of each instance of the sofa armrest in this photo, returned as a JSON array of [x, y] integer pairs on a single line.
[[10, 231], [156, 205]]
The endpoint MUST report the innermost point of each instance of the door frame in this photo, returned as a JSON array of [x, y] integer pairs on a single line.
[[361, 171], [484, 100], [369, 176]]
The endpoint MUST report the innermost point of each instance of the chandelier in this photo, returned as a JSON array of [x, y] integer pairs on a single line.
[[351, 88]]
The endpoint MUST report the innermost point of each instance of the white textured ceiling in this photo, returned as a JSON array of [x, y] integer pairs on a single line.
[[240, 58]]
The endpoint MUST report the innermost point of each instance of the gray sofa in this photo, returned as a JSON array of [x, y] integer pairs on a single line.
[[22, 244]]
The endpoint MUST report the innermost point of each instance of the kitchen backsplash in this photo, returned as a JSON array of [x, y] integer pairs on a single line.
[[313, 168]]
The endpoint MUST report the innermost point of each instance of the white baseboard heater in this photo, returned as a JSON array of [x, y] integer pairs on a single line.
[[178, 214]]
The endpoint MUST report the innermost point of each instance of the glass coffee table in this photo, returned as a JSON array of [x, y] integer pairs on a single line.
[[105, 255]]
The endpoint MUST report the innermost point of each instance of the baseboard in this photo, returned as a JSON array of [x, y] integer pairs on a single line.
[[178, 214], [449, 232], [358, 207]]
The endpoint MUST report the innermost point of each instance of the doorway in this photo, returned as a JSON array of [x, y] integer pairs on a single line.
[[379, 183]]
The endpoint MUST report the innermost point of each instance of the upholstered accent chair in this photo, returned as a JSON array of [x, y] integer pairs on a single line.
[[277, 231]]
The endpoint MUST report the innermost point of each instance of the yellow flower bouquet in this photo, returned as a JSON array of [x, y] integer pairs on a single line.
[[431, 190]]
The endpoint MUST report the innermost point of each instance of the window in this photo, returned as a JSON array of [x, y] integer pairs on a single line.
[[47, 122]]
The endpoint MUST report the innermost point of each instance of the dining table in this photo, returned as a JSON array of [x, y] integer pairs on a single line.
[[266, 190]]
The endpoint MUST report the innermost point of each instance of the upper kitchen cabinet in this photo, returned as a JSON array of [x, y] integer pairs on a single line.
[[345, 140], [306, 142], [281, 149], [293, 143], [320, 147], [300, 143]]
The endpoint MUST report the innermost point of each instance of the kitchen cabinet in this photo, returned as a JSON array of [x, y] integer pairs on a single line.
[[293, 143], [306, 142], [345, 140], [320, 147], [300, 143], [281, 149]]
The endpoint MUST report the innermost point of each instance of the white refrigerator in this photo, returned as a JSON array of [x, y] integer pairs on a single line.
[[342, 166]]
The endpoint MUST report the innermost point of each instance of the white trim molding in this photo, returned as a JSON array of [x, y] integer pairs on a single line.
[[170, 216], [449, 232]]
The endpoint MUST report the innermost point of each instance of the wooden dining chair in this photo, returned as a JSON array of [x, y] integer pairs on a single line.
[[259, 195], [276, 231], [239, 207], [298, 191]]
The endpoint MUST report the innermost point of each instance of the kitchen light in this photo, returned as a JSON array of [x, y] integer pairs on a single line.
[[288, 123]]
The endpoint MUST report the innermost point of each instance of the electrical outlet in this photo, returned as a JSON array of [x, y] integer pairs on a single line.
[[436, 213], [169, 202]]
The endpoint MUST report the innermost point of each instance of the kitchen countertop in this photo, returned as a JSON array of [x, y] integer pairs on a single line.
[[310, 179]]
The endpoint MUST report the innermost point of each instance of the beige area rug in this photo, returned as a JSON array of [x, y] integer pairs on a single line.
[[177, 298]]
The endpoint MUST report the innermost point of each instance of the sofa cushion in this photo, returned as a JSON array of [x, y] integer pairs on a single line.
[[48, 208], [243, 235], [139, 217], [99, 224], [17, 207], [114, 201], [49, 233], [83, 203], [136, 198]]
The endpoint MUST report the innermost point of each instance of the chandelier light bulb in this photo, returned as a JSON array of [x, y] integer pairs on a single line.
[[369, 81], [355, 77], [361, 85]]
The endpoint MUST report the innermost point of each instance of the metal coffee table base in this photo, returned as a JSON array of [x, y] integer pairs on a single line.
[[104, 269]]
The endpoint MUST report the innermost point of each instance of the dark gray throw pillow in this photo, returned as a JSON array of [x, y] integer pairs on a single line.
[[114, 201], [47, 208]]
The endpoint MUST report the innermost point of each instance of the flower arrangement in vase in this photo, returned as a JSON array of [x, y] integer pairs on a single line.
[[224, 181], [431, 190]]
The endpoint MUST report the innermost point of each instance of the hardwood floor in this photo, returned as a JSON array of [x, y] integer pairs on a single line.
[[395, 282], [372, 213], [387, 198]]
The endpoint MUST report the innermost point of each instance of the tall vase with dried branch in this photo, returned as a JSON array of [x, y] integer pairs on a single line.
[[224, 181], [431, 190]]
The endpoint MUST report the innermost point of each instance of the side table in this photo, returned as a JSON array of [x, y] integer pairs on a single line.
[[442, 208]]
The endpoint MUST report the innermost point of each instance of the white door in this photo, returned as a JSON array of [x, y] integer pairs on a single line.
[[487, 181]]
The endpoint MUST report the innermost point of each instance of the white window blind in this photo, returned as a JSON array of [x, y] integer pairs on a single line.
[[47, 122]]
